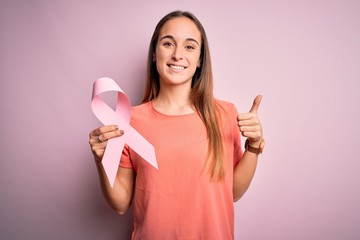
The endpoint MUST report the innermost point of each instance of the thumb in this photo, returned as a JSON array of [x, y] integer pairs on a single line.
[[256, 104]]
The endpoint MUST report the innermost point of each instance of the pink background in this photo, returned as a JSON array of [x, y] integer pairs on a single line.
[[303, 56]]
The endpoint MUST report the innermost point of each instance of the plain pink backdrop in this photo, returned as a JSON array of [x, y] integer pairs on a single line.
[[303, 56]]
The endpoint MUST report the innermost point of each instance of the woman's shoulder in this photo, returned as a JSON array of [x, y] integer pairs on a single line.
[[141, 108], [225, 105]]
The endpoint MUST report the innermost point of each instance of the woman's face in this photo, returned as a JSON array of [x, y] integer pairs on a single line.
[[178, 51]]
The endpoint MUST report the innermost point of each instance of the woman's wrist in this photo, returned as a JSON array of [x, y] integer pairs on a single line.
[[256, 146], [255, 142]]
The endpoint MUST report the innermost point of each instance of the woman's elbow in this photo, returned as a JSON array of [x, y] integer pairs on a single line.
[[238, 195], [120, 208], [121, 211]]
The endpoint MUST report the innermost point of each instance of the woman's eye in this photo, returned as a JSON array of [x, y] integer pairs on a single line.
[[190, 47], [167, 44]]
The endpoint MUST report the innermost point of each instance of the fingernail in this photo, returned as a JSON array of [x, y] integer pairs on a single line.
[[121, 132], [116, 127]]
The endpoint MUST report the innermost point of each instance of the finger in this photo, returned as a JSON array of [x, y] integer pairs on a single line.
[[109, 135], [103, 129], [246, 116], [94, 141], [255, 128], [252, 135], [249, 123], [256, 104], [105, 136]]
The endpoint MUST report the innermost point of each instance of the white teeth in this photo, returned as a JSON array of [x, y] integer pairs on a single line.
[[177, 67]]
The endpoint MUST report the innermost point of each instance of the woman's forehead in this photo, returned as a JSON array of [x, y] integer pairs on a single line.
[[181, 28]]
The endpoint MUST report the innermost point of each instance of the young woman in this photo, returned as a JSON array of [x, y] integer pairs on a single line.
[[202, 168]]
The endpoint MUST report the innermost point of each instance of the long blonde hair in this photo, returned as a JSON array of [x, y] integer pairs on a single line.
[[201, 94]]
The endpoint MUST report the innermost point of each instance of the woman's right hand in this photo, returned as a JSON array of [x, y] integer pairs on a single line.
[[100, 136]]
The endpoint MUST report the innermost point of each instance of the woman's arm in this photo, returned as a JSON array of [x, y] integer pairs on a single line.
[[244, 172], [119, 197], [250, 127]]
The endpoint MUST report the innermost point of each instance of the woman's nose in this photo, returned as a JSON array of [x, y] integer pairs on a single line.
[[177, 54]]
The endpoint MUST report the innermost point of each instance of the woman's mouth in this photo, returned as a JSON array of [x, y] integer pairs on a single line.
[[176, 67]]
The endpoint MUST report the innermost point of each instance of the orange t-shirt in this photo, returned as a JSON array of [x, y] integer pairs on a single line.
[[179, 201]]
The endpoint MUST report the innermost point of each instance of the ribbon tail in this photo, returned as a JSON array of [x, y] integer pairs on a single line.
[[141, 146], [111, 158]]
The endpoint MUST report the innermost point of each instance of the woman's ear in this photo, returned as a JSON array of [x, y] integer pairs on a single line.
[[154, 57]]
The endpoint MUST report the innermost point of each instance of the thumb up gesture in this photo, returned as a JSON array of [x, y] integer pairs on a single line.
[[249, 123]]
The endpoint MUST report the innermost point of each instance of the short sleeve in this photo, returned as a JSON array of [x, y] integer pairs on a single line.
[[125, 160]]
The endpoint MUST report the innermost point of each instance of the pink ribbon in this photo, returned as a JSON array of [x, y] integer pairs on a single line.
[[120, 117]]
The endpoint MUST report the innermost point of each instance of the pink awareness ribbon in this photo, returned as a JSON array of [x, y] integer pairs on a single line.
[[121, 118]]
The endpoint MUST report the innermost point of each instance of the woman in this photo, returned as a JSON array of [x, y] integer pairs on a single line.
[[202, 168]]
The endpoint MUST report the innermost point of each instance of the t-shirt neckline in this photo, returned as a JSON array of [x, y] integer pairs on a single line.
[[168, 115]]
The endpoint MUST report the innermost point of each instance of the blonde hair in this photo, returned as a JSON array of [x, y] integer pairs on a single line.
[[201, 94]]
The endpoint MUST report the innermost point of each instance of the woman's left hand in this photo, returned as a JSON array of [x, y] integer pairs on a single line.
[[249, 123]]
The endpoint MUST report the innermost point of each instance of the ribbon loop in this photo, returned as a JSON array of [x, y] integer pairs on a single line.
[[120, 117]]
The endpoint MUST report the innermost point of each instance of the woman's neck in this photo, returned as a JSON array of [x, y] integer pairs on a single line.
[[174, 101]]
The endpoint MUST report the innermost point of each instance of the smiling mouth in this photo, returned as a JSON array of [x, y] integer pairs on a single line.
[[176, 67]]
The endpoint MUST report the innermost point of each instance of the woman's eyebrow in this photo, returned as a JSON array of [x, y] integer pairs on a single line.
[[172, 38]]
